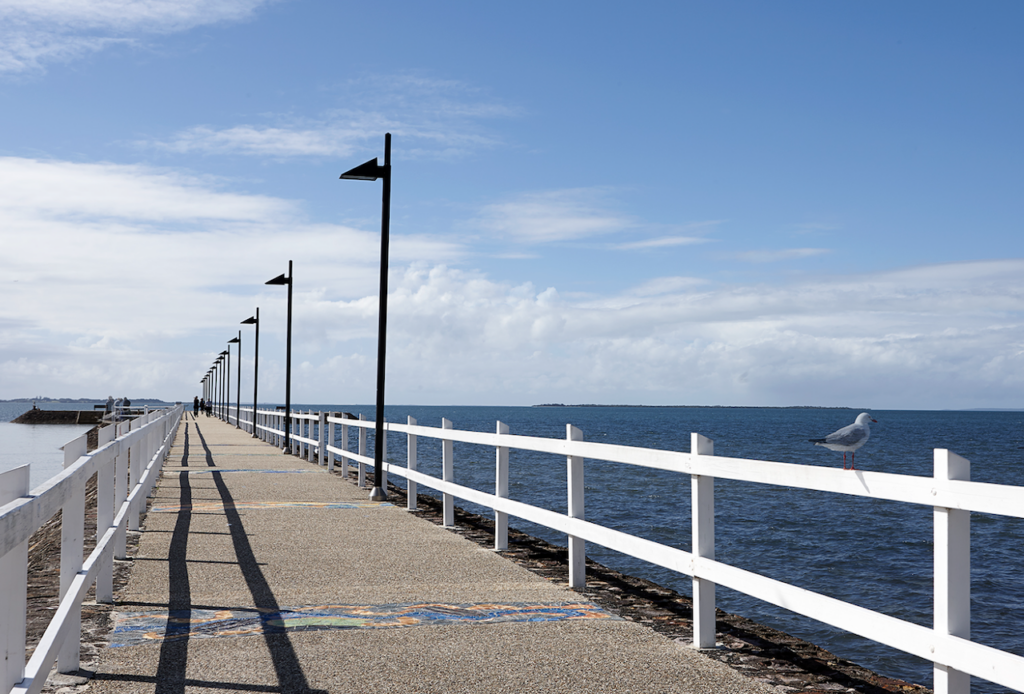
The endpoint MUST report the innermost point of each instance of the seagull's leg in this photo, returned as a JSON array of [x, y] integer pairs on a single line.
[[844, 460], [853, 460]]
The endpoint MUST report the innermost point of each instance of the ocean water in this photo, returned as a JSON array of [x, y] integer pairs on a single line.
[[875, 554], [39, 445]]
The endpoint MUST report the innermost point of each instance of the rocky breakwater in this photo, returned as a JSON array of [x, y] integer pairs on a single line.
[[37, 416]]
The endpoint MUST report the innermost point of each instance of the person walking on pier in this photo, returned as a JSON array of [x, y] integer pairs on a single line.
[[195, 407]]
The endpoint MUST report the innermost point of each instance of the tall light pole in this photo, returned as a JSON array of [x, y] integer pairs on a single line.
[[281, 279], [238, 388], [224, 382], [371, 171], [255, 320]]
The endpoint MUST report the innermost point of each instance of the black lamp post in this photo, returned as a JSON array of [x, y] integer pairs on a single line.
[[238, 388], [255, 320], [281, 279], [371, 171], [225, 383]]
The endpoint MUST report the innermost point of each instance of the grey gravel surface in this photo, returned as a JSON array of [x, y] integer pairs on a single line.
[[209, 557]]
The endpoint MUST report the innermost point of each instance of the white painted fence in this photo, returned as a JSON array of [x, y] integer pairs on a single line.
[[949, 492], [127, 463]]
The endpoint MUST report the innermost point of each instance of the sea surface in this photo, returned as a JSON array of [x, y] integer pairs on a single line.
[[40, 445], [875, 554]]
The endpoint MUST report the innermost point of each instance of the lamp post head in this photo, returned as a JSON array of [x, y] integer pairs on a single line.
[[251, 320], [368, 171], [233, 341], [280, 279]]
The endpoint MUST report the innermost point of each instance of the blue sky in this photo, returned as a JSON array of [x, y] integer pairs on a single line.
[[731, 203]]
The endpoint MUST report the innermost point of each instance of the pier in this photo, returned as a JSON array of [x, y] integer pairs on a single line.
[[258, 571]]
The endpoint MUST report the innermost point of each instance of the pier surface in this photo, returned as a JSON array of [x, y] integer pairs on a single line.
[[260, 572]]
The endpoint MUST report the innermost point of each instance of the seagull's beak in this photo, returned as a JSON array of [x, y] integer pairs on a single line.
[[875, 421]]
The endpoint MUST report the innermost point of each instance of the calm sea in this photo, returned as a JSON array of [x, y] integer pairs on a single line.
[[871, 553], [40, 445]]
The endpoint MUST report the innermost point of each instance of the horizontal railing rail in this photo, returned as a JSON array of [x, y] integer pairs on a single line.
[[127, 463], [949, 492]]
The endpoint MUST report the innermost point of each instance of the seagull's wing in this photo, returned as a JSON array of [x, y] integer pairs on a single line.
[[848, 436]]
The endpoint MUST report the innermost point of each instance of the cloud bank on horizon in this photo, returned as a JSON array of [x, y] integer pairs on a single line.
[[539, 252]]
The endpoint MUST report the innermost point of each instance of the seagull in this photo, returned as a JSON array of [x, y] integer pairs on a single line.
[[848, 438]]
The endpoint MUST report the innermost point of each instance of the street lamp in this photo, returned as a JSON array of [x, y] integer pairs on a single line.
[[371, 171], [281, 279], [238, 388], [225, 384], [255, 320]]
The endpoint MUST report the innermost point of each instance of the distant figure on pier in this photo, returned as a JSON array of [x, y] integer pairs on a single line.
[[202, 405], [195, 406], [848, 438], [209, 408], [110, 404]]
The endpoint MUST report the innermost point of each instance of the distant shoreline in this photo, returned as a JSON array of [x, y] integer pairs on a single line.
[[781, 407], [143, 401]]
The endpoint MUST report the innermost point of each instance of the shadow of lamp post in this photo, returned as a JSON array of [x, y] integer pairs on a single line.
[[371, 171], [281, 279], [255, 320]]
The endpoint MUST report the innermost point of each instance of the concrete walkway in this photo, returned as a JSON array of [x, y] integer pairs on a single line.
[[260, 572]]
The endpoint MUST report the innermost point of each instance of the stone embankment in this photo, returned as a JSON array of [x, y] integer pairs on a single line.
[[37, 416]]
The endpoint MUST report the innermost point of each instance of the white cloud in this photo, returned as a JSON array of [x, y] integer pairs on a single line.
[[925, 337], [35, 32], [167, 253], [560, 215], [662, 242], [51, 189], [432, 118], [131, 279], [665, 285], [779, 255]]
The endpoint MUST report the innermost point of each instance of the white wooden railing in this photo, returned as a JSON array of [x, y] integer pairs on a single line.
[[127, 463], [949, 492]]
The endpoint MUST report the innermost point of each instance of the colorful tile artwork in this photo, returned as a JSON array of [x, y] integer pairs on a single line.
[[134, 628], [216, 506]]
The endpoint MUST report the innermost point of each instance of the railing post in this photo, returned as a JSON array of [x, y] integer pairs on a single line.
[[134, 473], [410, 463], [577, 551], [702, 509], [384, 456], [501, 490], [296, 424], [105, 517], [448, 475], [328, 456], [952, 571], [72, 531], [13, 588], [309, 434], [121, 491], [344, 447], [361, 475]]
